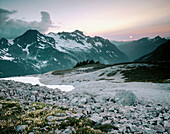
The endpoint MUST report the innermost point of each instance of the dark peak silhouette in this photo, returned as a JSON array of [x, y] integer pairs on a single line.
[[4, 40], [78, 32], [4, 43], [28, 37], [158, 37], [161, 54]]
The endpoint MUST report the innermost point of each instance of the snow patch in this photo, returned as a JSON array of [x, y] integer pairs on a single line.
[[35, 80], [11, 41], [41, 46], [69, 44], [26, 49], [98, 44], [44, 62], [7, 58], [55, 59]]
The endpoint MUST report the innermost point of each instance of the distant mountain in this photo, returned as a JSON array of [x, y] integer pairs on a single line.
[[141, 47], [161, 54], [83, 47], [117, 43], [167, 37], [34, 52], [30, 53]]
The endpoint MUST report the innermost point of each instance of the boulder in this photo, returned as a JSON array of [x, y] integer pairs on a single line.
[[0, 106], [20, 128], [67, 131], [74, 101], [96, 118], [126, 98], [158, 128], [106, 122], [51, 118]]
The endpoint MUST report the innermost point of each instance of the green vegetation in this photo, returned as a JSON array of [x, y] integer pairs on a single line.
[[158, 73], [105, 79], [112, 74], [62, 72], [64, 108], [13, 114], [35, 117], [85, 63], [101, 74], [93, 66], [106, 127]]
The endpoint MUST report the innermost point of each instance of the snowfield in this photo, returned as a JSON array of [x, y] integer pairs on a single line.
[[157, 92], [98, 83], [100, 95], [35, 80]]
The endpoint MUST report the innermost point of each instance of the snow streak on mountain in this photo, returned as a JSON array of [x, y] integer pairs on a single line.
[[34, 52]]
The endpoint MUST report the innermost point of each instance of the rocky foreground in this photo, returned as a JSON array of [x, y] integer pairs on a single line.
[[26, 108]]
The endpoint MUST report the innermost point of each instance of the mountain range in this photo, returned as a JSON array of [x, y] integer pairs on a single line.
[[161, 54], [138, 48], [34, 52]]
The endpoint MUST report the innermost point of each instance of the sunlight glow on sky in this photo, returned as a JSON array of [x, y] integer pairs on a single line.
[[112, 19]]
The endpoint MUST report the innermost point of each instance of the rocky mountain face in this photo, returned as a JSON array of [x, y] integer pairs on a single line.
[[141, 47], [161, 54], [34, 52], [83, 47]]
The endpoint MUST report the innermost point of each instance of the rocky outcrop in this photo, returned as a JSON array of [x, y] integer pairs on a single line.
[[123, 113], [126, 98]]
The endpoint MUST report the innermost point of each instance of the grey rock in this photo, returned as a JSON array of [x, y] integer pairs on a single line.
[[32, 98], [51, 118], [122, 121], [88, 110], [148, 131], [67, 131], [126, 98], [74, 102], [106, 122], [105, 115], [20, 128], [96, 118], [26, 107], [166, 116], [167, 125], [83, 100], [159, 128], [98, 99], [112, 109], [58, 131], [31, 133], [133, 128], [43, 130], [77, 115], [0, 105], [73, 130], [122, 129], [29, 122], [62, 118], [33, 108]]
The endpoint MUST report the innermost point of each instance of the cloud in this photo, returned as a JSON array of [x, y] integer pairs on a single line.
[[4, 15], [11, 28]]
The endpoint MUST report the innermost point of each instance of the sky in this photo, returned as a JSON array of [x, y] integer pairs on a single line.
[[111, 19]]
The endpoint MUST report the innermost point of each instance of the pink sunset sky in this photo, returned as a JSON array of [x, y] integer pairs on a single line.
[[112, 19]]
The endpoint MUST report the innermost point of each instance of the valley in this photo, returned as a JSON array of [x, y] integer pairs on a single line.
[[85, 67], [102, 101], [72, 83]]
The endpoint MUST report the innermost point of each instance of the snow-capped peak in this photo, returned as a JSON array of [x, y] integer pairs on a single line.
[[68, 41]]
